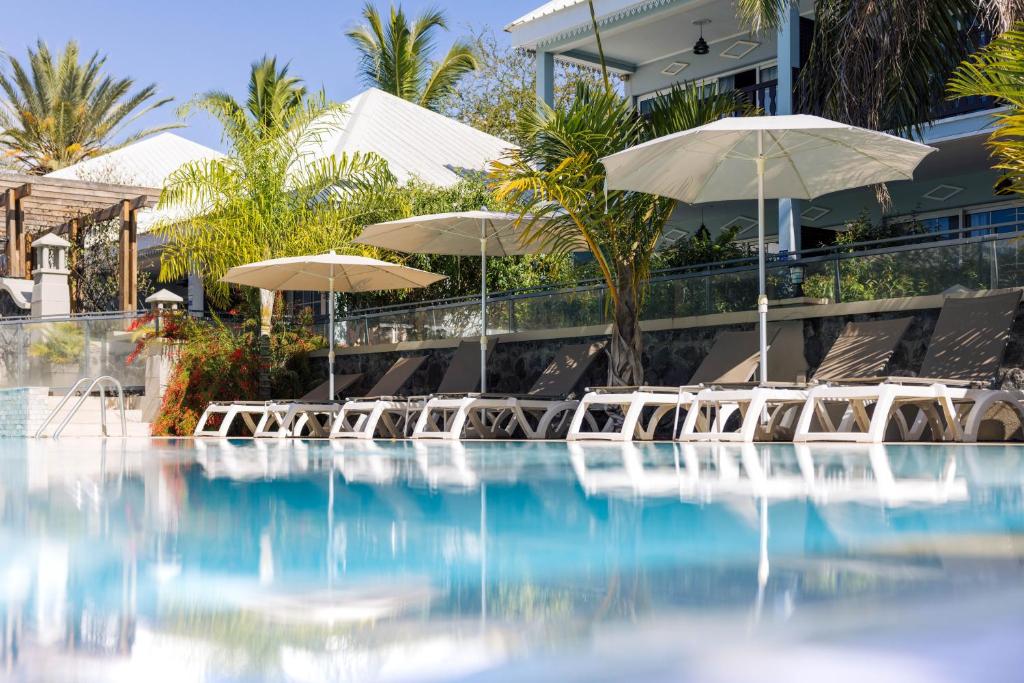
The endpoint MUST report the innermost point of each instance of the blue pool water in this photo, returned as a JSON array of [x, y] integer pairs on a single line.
[[314, 561]]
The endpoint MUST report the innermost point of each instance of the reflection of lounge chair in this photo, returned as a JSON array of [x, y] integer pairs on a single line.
[[360, 418], [542, 412], [769, 412], [254, 414], [733, 358], [966, 351]]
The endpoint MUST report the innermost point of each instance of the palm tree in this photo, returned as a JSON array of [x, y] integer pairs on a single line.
[[998, 71], [395, 56], [274, 99], [557, 176], [880, 65], [61, 110], [269, 197]]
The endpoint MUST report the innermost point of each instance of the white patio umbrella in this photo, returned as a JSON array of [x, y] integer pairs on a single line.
[[763, 157], [331, 273], [461, 233]]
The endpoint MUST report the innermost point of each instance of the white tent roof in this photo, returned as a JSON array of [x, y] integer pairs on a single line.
[[416, 142], [147, 162]]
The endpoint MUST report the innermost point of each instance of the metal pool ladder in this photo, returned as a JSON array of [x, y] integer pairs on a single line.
[[103, 382]]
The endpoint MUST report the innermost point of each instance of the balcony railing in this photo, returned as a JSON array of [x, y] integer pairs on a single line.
[[914, 265]]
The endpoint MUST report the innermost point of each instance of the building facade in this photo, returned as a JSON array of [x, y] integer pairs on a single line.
[[650, 45]]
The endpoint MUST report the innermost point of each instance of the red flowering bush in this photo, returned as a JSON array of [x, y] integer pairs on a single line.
[[215, 363]]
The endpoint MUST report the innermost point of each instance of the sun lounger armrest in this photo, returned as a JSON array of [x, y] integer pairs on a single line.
[[643, 387], [895, 379]]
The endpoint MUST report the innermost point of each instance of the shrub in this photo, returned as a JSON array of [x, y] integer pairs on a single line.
[[216, 363]]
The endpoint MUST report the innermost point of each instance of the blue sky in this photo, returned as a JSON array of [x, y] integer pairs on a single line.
[[190, 46]]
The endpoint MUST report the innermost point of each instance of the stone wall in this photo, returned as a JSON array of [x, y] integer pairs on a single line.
[[22, 410], [670, 356]]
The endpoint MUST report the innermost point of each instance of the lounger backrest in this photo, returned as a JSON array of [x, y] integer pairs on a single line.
[[566, 370], [862, 350], [341, 383], [395, 378], [970, 337], [732, 358], [463, 373], [786, 361]]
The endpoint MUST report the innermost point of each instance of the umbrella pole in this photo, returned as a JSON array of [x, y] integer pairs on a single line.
[[330, 338], [483, 306], [762, 297]]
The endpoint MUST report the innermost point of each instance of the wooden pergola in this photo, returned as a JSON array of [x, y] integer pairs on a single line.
[[34, 205]]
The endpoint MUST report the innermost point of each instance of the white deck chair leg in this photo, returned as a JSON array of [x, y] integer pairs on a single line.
[[880, 418]]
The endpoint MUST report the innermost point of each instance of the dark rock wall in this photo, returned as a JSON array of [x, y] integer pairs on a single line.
[[670, 356]]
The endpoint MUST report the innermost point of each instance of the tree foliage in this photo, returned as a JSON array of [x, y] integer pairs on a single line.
[[395, 55], [998, 71], [557, 176], [496, 97], [270, 196], [60, 110]]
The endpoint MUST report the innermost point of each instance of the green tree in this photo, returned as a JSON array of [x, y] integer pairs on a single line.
[[998, 71], [395, 55], [275, 98], [880, 64], [557, 175], [268, 198], [61, 110], [495, 97]]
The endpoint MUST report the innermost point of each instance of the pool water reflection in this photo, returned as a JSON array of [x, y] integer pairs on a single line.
[[305, 561]]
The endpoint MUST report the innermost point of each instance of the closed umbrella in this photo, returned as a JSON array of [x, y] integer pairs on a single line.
[[461, 233], [331, 273], [763, 157]]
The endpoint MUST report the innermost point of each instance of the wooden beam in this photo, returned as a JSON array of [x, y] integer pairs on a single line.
[[74, 286], [20, 192], [27, 252], [128, 258], [12, 225], [111, 212]]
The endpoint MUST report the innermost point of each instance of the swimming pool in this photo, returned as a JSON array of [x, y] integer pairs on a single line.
[[309, 561]]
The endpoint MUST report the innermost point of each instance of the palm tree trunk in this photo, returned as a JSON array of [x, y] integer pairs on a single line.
[[625, 367]]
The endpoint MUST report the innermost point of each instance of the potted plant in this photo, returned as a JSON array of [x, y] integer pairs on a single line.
[[60, 349]]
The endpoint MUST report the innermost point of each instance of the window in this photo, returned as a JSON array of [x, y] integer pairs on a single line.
[[998, 220]]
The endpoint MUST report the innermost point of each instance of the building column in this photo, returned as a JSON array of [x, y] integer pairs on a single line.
[[788, 49], [546, 77], [128, 259]]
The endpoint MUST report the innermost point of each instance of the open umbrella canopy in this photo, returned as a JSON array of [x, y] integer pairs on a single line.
[[316, 273], [332, 273], [458, 234], [805, 157], [763, 157]]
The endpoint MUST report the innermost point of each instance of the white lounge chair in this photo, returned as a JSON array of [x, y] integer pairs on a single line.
[[253, 415], [543, 412], [768, 412], [637, 412], [392, 416], [947, 402]]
